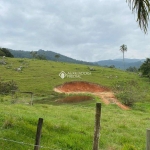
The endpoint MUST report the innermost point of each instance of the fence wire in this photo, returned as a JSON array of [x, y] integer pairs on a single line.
[[23, 143]]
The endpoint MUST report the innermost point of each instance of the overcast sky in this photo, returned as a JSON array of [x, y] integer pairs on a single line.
[[89, 30]]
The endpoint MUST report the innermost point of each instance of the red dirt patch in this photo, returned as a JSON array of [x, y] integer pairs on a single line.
[[81, 87]]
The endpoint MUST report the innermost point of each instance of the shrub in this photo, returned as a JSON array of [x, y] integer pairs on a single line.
[[127, 92], [6, 87], [132, 69]]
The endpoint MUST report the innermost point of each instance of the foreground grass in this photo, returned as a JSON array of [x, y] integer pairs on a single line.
[[71, 126]]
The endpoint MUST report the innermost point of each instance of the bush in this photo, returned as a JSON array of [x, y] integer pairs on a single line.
[[127, 92], [132, 69], [6, 87]]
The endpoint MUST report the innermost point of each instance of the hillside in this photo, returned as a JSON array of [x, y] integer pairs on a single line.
[[71, 125], [49, 55]]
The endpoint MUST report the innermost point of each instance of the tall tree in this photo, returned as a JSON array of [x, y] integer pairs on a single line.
[[123, 48], [142, 9], [145, 68]]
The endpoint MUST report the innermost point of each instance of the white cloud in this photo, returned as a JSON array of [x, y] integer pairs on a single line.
[[88, 30]]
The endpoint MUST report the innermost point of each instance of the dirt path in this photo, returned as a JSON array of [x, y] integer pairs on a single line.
[[103, 93]]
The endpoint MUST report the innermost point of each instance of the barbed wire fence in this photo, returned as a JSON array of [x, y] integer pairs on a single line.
[[23, 143], [37, 145]]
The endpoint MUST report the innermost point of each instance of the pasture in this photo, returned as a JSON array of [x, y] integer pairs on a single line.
[[70, 126]]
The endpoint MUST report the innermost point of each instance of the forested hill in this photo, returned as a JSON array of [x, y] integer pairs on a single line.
[[118, 63], [49, 55]]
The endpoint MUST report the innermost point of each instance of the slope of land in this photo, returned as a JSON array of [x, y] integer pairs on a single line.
[[70, 125]]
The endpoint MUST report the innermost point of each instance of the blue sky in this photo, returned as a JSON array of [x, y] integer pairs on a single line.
[[89, 30]]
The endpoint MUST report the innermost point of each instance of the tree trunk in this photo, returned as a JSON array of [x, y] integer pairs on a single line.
[[123, 61]]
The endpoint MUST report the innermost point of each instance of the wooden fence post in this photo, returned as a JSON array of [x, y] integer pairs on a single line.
[[148, 139], [38, 134], [31, 98], [97, 127]]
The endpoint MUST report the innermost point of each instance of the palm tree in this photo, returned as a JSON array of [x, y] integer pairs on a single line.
[[123, 48], [142, 8]]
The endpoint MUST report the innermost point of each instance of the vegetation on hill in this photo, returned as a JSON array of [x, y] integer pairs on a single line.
[[70, 126], [49, 55], [35, 55], [5, 52], [145, 68], [132, 69], [7, 87]]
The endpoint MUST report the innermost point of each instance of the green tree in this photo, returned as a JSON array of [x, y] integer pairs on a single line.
[[145, 68], [34, 54], [57, 56], [112, 66], [123, 48], [132, 69], [2, 53], [142, 9], [6, 52], [41, 57]]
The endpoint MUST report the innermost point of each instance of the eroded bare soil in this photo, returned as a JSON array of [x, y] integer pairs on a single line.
[[103, 93]]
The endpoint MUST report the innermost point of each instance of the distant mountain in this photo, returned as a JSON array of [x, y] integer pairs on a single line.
[[130, 60], [118, 63], [49, 55]]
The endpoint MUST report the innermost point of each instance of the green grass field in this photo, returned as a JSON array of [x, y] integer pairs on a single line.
[[71, 126]]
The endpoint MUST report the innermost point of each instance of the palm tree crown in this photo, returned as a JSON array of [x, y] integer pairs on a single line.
[[123, 48], [142, 8]]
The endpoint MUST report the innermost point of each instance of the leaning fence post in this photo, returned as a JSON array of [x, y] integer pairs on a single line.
[[38, 134], [148, 139], [97, 127]]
